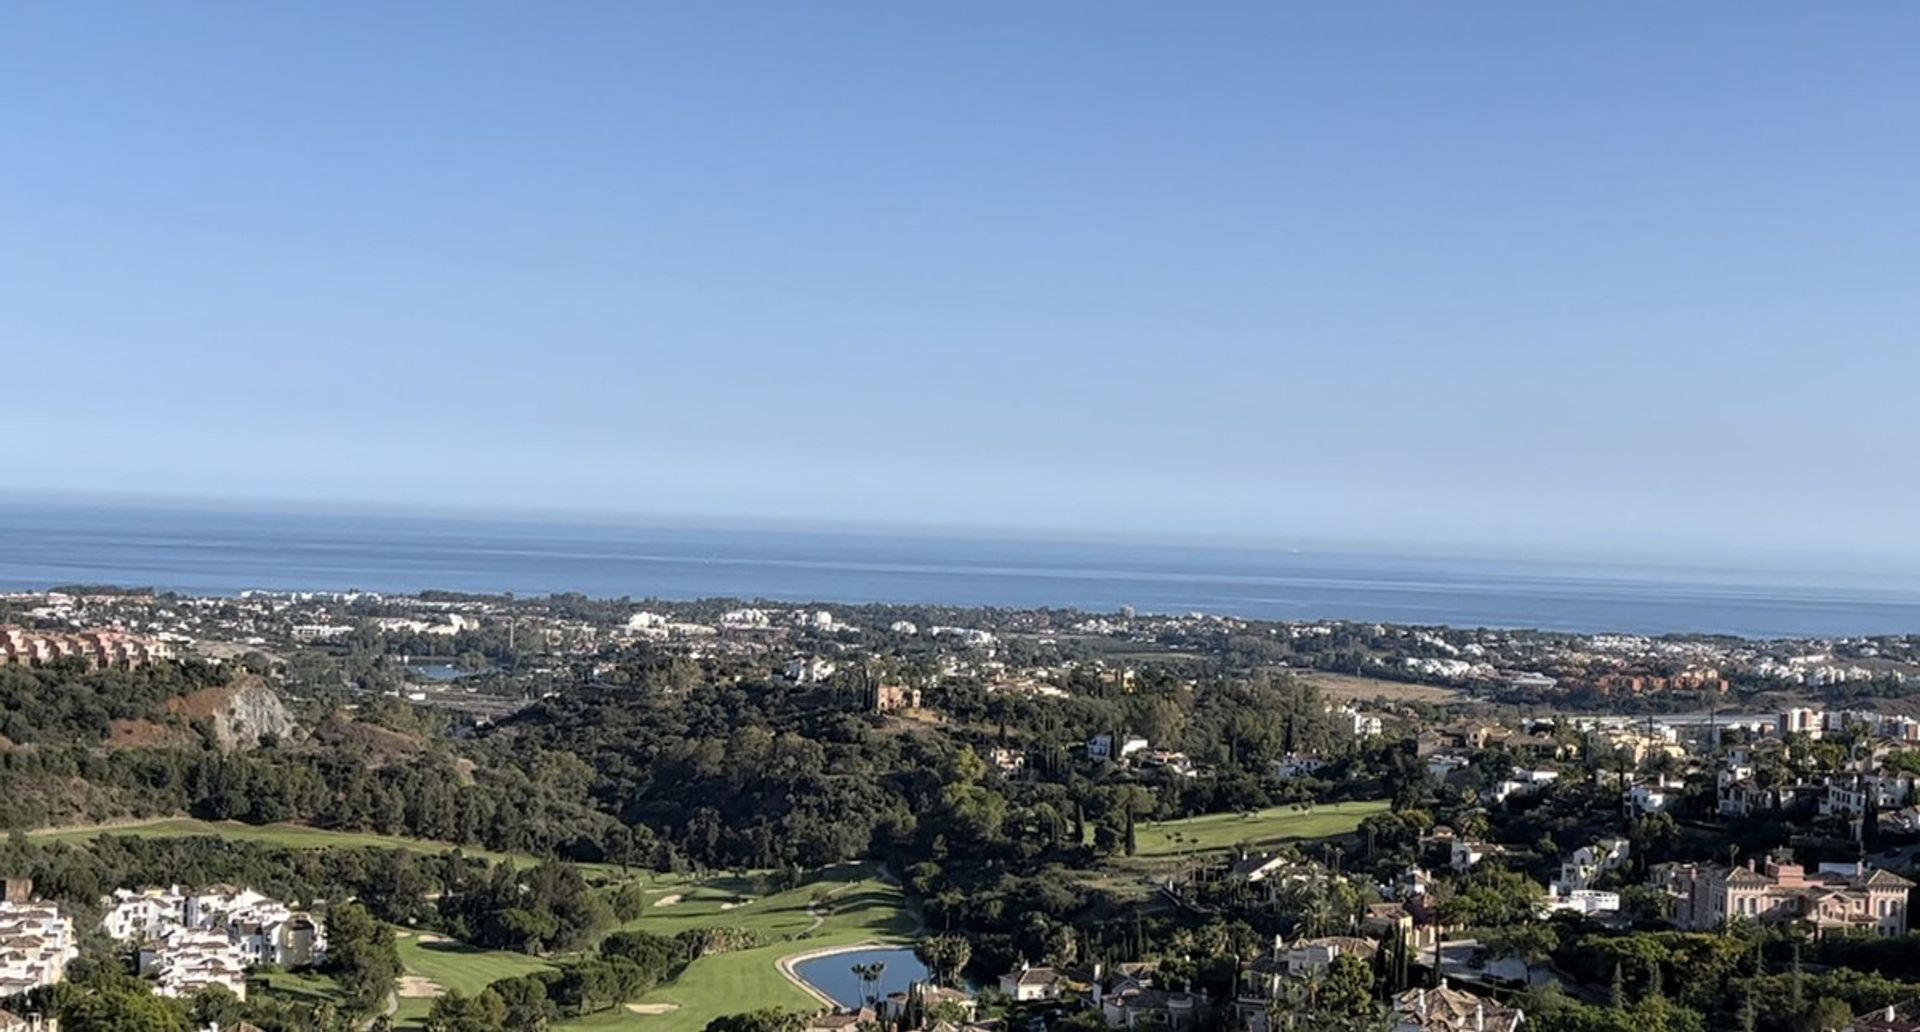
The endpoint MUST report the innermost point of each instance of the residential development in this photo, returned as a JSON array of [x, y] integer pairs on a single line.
[[191, 940]]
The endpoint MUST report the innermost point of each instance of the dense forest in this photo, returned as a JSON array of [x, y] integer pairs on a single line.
[[721, 775]]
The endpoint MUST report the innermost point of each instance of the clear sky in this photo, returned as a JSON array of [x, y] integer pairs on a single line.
[[1626, 276]]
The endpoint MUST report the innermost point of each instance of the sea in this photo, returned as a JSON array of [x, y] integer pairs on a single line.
[[228, 551]]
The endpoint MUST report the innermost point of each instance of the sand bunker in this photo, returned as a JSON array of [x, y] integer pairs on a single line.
[[414, 987], [653, 1008], [667, 901], [427, 937]]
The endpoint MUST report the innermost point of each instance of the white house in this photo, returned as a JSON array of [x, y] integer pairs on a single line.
[[132, 916], [1297, 765], [1653, 796], [1102, 747], [1584, 901], [1031, 983], [1585, 865], [1466, 853]]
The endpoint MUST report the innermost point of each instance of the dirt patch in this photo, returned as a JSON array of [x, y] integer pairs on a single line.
[[667, 901], [416, 987], [653, 1008], [1346, 687], [379, 746], [141, 734]]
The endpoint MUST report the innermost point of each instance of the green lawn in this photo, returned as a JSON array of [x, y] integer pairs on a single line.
[[293, 836], [455, 965], [305, 988], [1260, 828], [865, 910], [300, 836], [728, 900]]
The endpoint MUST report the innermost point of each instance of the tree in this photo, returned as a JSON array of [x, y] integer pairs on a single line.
[[1828, 1015], [1348, 988], [767, 1020], [121, 1006], [1492, 897], [869, 977], [1532, 942], [945, 956], [362, 956], [527, 1004], [458, 1012]]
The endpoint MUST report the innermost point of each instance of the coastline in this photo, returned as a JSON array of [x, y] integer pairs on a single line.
[[225, 553]]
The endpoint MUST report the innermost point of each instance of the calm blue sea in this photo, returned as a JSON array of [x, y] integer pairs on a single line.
[[225, 552]]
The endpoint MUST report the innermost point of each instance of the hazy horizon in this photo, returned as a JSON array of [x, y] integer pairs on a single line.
[[1834, 569], [227, 551], [1495, 276]]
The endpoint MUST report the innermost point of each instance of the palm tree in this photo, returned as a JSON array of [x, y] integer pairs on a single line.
[[866, 975]]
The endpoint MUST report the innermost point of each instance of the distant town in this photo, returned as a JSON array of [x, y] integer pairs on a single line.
[[1064, 819]]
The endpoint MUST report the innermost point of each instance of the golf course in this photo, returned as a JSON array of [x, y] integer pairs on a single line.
[[837, 908], [1258, 828]]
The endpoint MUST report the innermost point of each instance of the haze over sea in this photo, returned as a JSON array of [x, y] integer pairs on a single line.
[[228, 551]]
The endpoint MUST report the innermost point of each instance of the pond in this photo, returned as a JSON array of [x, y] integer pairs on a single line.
[[833, 974]]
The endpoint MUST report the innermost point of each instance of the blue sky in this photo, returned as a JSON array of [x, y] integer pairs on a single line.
[[1623, 277]]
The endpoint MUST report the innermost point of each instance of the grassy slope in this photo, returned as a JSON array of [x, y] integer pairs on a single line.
[[454, 965], [300, 836], [1264, 827], [295, 836], [305, 988]]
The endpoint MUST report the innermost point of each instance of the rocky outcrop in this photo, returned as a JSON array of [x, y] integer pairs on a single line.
[[240, 713]]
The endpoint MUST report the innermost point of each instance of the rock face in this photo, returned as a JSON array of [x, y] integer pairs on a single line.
[[240, 713]]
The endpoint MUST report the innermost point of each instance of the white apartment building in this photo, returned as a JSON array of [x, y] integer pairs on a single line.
[[182, 961], [192, 940], [36, 944]]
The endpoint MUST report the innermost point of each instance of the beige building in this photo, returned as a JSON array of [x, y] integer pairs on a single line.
[[1452, 1010], [98, 648], [1837, 897]]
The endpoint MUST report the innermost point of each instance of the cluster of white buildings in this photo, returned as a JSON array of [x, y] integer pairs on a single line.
[[36, 941], [456, 623], [190, 941], [651, 625], [1816, 723], [968, 635], [809, 670], [1816, 671], [311, 632], [1362, 725], [1450, 669]]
